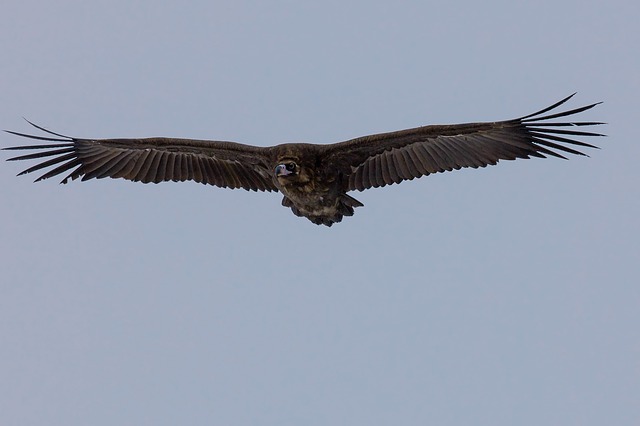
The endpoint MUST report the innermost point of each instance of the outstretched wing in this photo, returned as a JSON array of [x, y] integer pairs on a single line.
[[223, 164], [383, 159]]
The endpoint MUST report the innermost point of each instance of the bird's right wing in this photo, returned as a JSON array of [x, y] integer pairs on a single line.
[[223, 164], [387, 158]]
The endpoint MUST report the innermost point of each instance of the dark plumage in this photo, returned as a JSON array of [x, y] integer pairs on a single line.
[[314, 179]]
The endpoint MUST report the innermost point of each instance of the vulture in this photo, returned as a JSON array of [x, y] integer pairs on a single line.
[[314, 179]]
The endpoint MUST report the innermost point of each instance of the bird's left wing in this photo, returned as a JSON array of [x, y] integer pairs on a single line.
[[387, 158], [223, 164]]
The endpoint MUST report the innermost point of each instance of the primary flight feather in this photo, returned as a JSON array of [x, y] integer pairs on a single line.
[[314, 179]]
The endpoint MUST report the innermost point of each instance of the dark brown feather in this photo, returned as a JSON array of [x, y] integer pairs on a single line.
[[224, 164], [412, 153], [323, 173]]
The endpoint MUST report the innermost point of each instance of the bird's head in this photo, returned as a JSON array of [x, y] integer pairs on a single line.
[[293, 169], [289, 172]]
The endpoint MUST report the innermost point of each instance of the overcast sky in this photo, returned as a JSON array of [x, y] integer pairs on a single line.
[[502, 296]]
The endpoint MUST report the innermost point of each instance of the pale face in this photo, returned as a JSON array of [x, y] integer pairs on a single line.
[[287, 168]]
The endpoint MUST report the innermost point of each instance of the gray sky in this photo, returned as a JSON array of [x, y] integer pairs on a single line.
[[502, 296]]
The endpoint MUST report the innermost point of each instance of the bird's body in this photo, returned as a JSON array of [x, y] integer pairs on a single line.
[[317, 188], [314, 179]]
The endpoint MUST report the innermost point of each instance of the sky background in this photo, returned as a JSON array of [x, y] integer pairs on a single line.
[[502, 296]]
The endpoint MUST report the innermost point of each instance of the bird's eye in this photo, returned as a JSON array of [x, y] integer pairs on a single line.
[[290, 166]]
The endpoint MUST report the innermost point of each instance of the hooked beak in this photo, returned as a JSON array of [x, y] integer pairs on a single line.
[[281, 170]]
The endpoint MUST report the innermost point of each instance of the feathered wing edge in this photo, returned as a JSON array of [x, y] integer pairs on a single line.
[[544, 135], [67, 157], [62, 152]]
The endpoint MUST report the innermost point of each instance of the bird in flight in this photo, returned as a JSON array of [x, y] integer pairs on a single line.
[[314, 179]]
